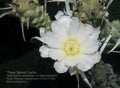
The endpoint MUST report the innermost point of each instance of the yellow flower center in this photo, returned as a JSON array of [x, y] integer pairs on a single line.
[[71, 47]]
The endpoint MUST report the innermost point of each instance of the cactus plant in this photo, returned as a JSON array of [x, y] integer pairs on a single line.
[[104, 77], [112, 28], [91, 11], [31, 9]]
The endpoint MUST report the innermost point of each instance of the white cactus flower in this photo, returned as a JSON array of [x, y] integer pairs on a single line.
[[71, 43]]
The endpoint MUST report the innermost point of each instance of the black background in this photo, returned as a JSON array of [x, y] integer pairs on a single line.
[[15, 54]]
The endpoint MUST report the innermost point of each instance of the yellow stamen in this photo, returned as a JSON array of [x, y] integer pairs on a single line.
[[71, 47]]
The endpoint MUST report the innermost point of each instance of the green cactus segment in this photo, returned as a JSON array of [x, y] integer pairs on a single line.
[[112, 28], [104, 77], [31, 8], [90, 11]]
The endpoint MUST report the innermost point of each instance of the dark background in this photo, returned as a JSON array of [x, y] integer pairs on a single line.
[[15, 54]]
